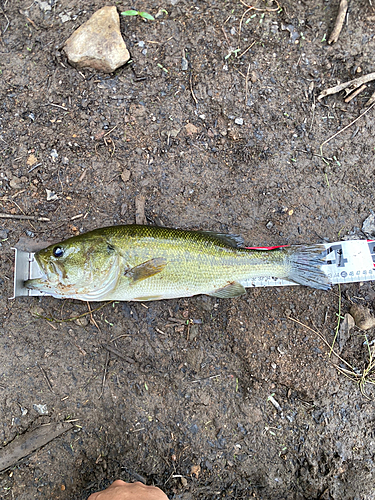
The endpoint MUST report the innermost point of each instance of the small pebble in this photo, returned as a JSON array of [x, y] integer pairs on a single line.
[[81, 321], [51, 195], [15, 183], [41, 409], [65, 18], [125, 176], [269, 225], [54, 154], [238, 121]]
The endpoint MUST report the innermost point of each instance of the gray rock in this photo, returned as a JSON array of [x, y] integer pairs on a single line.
[[184, 64], [362, 317], [368, 226], [44, 6], [41, 409], [98, 43], [65, 17]]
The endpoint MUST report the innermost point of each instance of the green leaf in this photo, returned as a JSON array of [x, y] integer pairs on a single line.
[[146, 15], [130, 13]]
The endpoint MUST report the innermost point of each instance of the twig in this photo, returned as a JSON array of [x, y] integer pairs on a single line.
[[78, 216], [343, 8], [92, 317], [247, 84], [347, 126], [24, 217], [371, 100], [240, 27], [32, 22], [355, 93], [68, 320], [6, 17], [250, 7], [56, 106], [313, 106], [104, 373], [244, 52], [46, 378], [192, 91], [18, 193], [34, 167], [112, 129], [114, 147], [338, 324], [117, 353], [357, 82], [206, 378]]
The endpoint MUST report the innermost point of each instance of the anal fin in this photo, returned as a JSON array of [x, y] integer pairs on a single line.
[[231, 290]]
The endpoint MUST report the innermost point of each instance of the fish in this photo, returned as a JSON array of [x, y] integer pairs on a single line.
[[143, 263]]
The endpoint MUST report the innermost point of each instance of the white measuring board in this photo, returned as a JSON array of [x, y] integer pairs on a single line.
[[343, 262], [349, 261]]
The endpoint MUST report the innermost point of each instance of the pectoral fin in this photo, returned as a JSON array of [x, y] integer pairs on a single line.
[[231, 290], [146, 269]]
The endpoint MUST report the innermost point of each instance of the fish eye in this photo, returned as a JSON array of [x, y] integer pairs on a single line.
[[58, 252]]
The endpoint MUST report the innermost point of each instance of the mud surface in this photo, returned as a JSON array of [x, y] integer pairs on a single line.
[[178, 392]]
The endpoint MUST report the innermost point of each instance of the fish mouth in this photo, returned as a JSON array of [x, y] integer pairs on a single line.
[[52, 271], [50, 275], [36, 284]]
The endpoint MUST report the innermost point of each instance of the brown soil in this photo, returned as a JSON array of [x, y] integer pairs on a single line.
[[187, 405]]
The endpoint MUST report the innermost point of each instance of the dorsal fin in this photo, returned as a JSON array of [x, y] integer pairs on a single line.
[[232, 240]]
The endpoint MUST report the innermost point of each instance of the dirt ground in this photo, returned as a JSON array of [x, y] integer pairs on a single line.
[[216, 124]]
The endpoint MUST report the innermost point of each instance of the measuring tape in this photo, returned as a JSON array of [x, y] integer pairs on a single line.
[[345, 262], [349, 261]]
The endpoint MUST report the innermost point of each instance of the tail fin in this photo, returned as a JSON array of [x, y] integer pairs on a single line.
[[305, 266]]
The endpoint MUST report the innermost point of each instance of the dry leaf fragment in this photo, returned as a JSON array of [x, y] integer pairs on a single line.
[[191, 129], [32, 159], [195, 470], [125, 176]]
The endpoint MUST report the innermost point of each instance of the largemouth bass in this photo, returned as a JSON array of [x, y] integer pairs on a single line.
[[151, 263]]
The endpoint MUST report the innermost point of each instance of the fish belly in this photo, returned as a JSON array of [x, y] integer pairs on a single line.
[[184, 281]]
